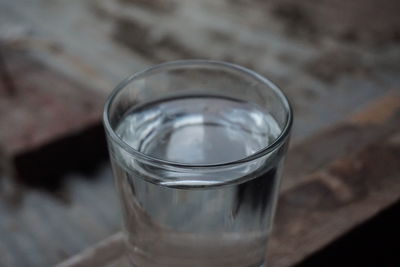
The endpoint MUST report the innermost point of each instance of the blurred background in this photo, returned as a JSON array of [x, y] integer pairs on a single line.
[[338, 62]]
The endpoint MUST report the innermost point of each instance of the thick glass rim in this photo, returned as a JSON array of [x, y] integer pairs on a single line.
[[192, 63]]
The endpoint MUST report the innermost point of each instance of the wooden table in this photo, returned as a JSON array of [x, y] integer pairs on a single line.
[[334, 181], [330, 68]]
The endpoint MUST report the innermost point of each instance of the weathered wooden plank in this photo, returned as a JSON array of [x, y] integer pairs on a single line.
[[85, 37], [331, 196], [334, 142], [50, 124], [325, 80], [338, 179], [335, 199], [102, 254], [43, 230]]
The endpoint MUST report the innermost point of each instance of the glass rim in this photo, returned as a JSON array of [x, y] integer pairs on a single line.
[[278, 141]]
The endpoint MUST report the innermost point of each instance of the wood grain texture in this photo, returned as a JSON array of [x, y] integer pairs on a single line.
[[332, 195], [316, 151], [331, 201], [104, 253], [325, 79], [50, 124]]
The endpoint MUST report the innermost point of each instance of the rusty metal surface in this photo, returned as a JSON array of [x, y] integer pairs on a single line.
[[326, 74]]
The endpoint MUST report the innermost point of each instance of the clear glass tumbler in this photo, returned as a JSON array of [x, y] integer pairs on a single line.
[[197, 148]]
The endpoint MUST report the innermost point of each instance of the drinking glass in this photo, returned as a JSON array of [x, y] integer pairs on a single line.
[[197, 148]]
